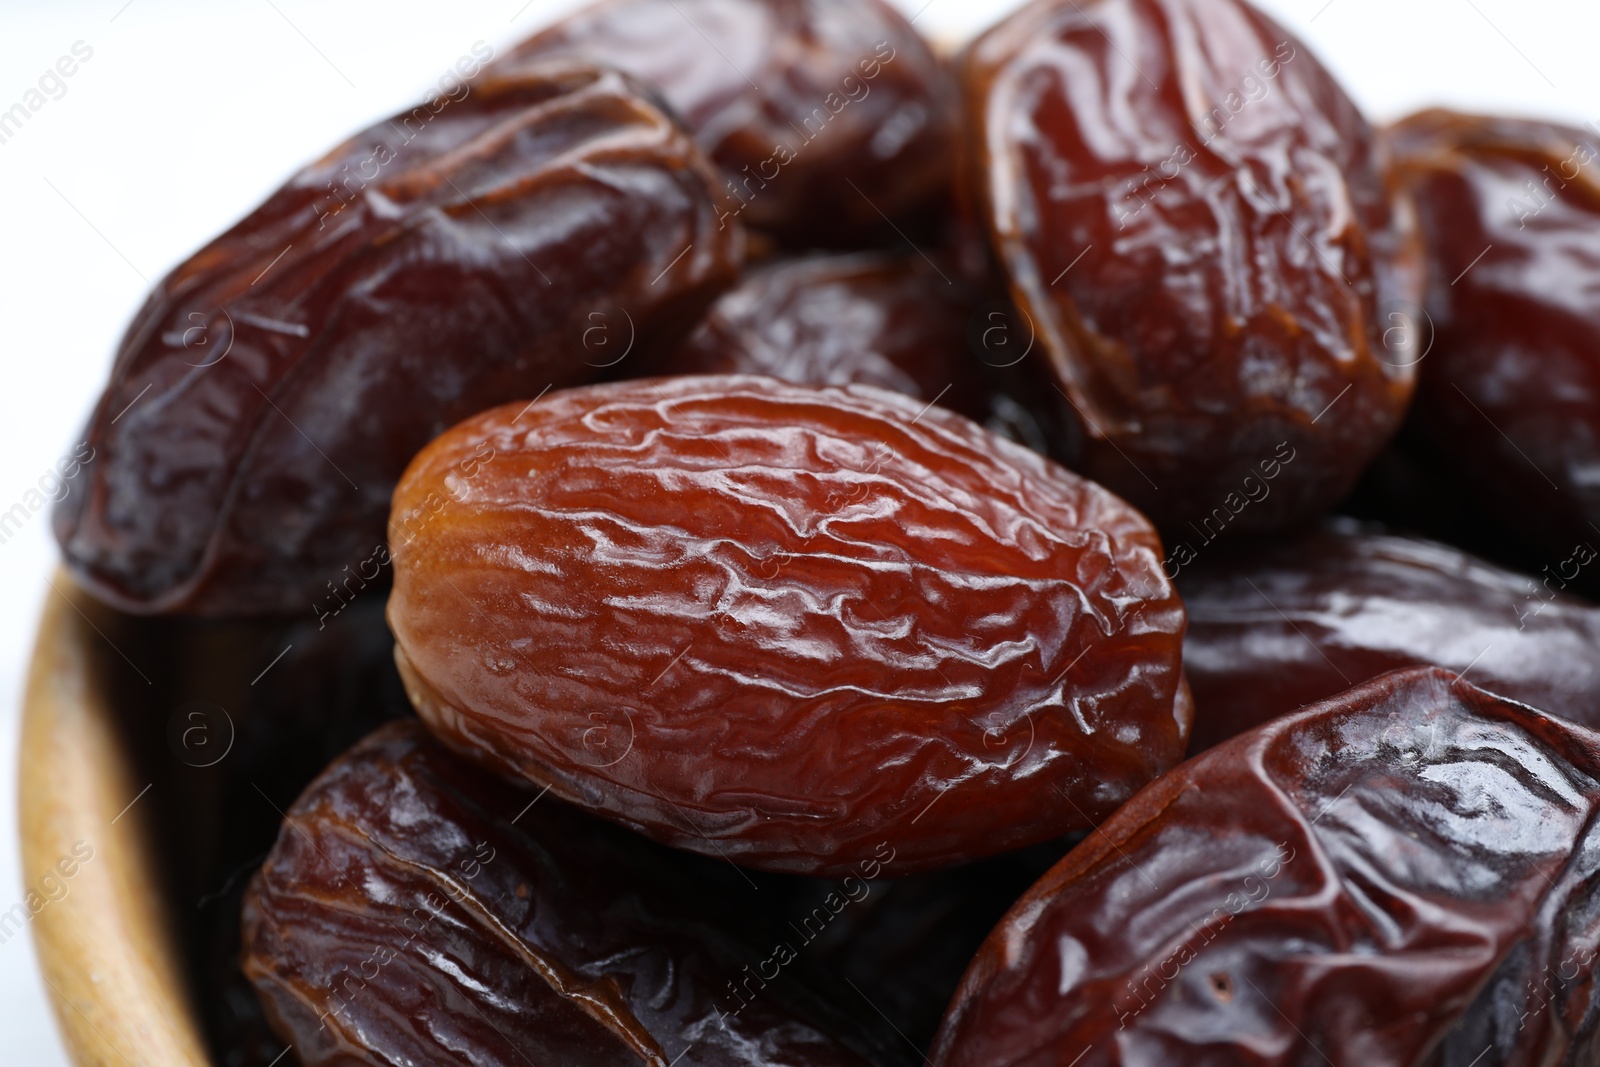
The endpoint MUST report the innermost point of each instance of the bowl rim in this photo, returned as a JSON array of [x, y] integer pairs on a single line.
[[105, 948]]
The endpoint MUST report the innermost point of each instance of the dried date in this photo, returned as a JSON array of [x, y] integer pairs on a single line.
[[869, 319], [274, 386], [832, 120], [1193, 219], [1273, 627], [415, 910], [779, 623], [1509, 396], [1403, 875]]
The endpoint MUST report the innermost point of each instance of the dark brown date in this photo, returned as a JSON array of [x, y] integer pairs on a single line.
[[274, 386], [831, 119], [1403, 876], [1273, 627], [1510, 393], [780, 623], [415, 910], [869, 319], [1194, 223]]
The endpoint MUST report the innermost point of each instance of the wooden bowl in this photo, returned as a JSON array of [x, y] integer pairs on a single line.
[[107, 949]]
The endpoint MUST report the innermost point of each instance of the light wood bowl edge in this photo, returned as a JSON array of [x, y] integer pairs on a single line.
[[105, 950]]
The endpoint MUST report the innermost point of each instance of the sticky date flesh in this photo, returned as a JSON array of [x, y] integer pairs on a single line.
[[1275, 626], [1403, 875], [865, 319], [272, 389], [1192, 218], [821, 113], [413, 905], [778, 623], [1510, 392]]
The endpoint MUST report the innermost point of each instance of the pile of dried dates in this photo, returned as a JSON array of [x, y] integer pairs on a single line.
[[795, 549]]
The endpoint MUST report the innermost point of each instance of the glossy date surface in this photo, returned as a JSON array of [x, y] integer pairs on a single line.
[[828, 118], [1276, 626], [416, 910], [274, 386], [868, 319], [780, 623], [1510, 393], [1403, 875], [1192, 218]]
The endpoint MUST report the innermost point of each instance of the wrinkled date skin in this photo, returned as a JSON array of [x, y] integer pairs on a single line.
[[1401, 876], [415, 910], [274, 386], [778, 623], [867, 319], [795, 100], [1193, 220], [1510, 393], [1273, 627]]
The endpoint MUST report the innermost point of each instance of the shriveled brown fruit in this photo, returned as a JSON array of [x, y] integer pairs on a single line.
[[1510, 393], [1193, 220], [416, 910], [894, 321], [832, 120], [275, 385], [1276, 626], [786, 624], [1402, 876]]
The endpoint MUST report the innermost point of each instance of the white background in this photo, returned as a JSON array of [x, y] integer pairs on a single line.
[[188, 114]]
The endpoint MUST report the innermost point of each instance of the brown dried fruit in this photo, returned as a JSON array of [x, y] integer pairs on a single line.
[[780, 623], [415, 910], [1402, 876], [832, 120], [1192, 216], [1510, 393], [1274, 627], [273, 388], [892, 321]]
